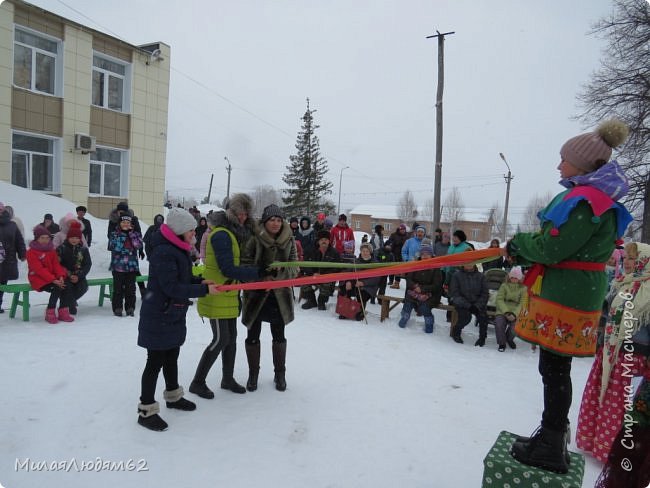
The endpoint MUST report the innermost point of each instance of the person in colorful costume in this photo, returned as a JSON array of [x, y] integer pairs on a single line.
[[578, 232], [604, 399]]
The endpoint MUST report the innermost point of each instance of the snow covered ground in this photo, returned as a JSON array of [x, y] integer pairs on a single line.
[[366, 405]]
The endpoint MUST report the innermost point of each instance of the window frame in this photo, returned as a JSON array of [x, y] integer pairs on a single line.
[[58, 61], [56, 161], [124, 172], [126, 82]]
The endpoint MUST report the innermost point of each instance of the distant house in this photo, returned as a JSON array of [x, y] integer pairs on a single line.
[[477, 224], [84, 113]]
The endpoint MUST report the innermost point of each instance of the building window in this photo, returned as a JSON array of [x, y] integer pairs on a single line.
[[357, 224], [110, 83], [388, 226], [33, 162], [36, 62], [476, 233], [107, 167]]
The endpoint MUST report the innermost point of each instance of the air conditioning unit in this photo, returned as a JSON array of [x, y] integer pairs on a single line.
[[84, 143]]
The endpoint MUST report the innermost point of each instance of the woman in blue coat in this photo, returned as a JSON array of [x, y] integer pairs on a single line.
[[162, 315]]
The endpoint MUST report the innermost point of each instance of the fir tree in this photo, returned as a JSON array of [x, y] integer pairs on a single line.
[[305, 176]]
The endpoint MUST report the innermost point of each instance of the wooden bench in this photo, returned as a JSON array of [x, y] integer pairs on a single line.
[[387, 306], [21, 293]]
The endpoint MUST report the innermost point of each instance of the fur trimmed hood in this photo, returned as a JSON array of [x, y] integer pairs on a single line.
[[227, 218]]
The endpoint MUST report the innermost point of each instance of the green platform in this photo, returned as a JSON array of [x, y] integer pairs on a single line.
[[501, 470]]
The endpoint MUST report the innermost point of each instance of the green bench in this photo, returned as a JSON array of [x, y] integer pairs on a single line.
[[21, 293]]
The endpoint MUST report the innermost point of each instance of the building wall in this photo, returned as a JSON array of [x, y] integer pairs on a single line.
[[141, 129], [6, 74]]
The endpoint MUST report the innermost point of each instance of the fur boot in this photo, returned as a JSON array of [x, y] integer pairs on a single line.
[[148, 417]]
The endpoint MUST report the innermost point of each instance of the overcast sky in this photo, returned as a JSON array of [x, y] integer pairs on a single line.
[[241, 71]]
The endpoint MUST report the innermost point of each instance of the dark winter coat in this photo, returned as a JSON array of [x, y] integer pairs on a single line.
[[306, 236], [87, 231], [52, 228], [469, 288], [14, 248], [429, 281], [76, 259], [260, 252], [398, 240], [330, 256], [498, 263], [169, 288], [146, 240], [200, 230]]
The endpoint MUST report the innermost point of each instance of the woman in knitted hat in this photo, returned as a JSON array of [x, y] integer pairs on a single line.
[[231, 230], [512, 297], [273, 242], [162, 329], [45, 273], [75, 257], [610, 378], [567, 283]]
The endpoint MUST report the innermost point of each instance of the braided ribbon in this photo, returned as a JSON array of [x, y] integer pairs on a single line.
[[365, 271]]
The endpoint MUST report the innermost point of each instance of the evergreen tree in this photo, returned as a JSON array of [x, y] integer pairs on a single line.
[[305, 176]]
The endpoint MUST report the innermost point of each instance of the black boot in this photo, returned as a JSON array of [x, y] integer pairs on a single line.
[[279, 365], [253, 356], [567, 438], [322, 300], [198, 385], [174, 399], [546, 449], [480, 342], [228, 360], [148, 417], [310, 300]]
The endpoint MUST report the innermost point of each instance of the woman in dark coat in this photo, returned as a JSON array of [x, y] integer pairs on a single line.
[[200, 230], [274, 242], [162, 315], [13, 246]]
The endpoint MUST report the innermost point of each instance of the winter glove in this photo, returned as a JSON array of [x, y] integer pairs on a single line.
[[141, 253], [510, 317]]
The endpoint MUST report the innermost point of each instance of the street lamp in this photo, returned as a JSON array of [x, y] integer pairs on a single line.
[[229, 169], [505, 212], [338, 208]]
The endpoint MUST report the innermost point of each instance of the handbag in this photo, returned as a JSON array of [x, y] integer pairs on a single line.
[[347, 307]]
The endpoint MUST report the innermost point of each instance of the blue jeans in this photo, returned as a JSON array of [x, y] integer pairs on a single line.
[[423, 308]]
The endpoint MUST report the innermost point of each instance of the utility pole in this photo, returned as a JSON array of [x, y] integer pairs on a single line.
[[229, 169], [210, 189], [441, 83], [508, 179], [338, 208]]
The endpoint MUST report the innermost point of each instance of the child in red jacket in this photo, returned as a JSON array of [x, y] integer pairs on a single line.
[[47, 274]]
